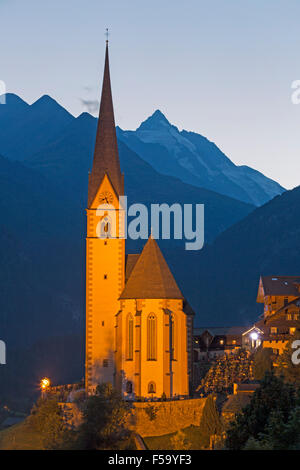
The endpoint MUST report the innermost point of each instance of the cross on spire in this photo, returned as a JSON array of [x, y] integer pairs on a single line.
[[106, 34]]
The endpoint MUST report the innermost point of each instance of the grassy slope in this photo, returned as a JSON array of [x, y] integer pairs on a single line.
[[20, 437], [164, 442]]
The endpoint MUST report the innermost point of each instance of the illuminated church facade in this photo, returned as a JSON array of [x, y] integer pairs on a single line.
[[138, 324]]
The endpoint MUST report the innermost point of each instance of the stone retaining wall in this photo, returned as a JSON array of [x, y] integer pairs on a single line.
[[158, 418]]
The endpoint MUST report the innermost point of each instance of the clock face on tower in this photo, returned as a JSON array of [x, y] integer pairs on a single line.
[[106, 197]]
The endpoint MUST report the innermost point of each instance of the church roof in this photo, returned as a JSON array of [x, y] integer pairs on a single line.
[[151, 277], [130, 262], [106, 157]]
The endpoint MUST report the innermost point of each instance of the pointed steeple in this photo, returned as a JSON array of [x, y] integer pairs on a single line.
[[106, 157], [151, 277]]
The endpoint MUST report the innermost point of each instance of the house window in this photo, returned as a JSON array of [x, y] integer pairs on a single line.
[[129, 387], [292, 331], [105, 276], [234, 341], [151, 387], [273, 330], [129, 336], [289, 316], [221, 341], [105, 362], [151, 337], [296, 316]]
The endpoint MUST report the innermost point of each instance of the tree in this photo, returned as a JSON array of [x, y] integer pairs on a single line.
[[210, 422], [285, 365], [104, 420], [274, 397], [180, 442], [48, 419], [263, 362]]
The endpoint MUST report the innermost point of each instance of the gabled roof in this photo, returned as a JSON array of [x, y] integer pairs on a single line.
[[280, 285], [151, 277], [106, 157], [254, 327]]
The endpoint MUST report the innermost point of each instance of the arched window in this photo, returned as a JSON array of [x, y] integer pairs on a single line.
[[173, 337], [151, 387], [129, 387], [129, 337], [151, 337]]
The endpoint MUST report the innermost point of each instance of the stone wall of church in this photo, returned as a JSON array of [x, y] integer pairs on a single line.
[[158, 418]]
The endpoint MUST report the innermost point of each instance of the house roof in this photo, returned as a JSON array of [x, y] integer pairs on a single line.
[[281, 285], [235, 403], [150, 276], [220, 330], [106, 157]]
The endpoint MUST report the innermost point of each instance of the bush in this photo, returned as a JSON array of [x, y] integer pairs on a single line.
[[104, 420], [47, 418]]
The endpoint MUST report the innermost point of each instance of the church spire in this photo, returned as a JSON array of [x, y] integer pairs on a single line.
[[106, 157]]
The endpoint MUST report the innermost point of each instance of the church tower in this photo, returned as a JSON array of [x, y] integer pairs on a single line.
[[105, 247]]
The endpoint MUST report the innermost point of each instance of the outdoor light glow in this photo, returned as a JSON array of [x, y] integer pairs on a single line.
[[45, 382], [254, 336]]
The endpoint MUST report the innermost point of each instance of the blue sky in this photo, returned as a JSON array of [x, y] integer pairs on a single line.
[[220, 68]]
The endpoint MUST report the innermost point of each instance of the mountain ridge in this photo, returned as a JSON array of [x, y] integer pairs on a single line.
[[195, 159]]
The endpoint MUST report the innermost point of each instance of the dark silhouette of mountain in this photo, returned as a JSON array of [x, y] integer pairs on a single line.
[[195, 160], [25, 129], [266, 242], [40, 289]]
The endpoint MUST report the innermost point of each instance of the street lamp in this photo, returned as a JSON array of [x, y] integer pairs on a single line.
[[44, 384]]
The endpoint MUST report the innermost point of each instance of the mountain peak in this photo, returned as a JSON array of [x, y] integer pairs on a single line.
[[154, 122], [15, 100], [45, 100], [47, 104]]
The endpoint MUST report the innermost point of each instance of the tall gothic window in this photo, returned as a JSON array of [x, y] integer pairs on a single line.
[[151, 337], [173, 335], [129, 336]]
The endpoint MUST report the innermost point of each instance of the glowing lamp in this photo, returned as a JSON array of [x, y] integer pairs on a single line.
[[45, 383], [254, 336]]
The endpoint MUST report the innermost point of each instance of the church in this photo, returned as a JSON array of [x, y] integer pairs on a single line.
[[138, 323]]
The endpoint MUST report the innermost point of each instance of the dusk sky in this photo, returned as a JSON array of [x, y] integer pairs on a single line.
[[221, 68]]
